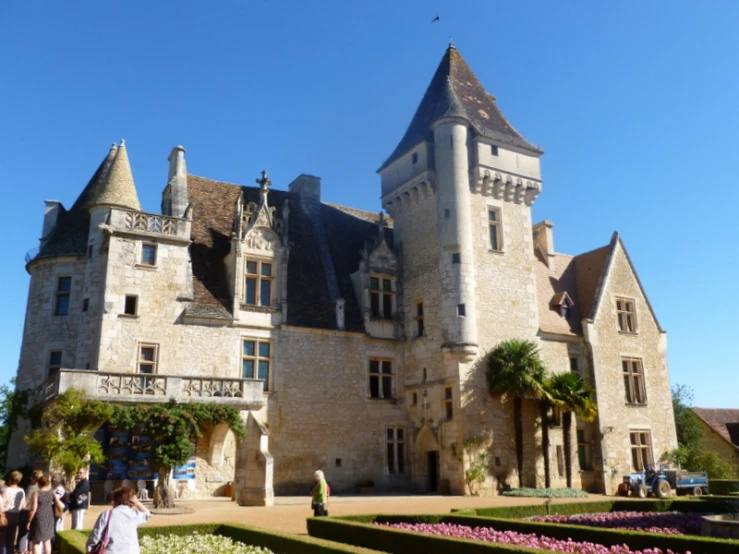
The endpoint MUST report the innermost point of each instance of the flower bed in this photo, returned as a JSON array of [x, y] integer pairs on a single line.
[[489, 534], [547, 493], [179, 544], [667, 523]]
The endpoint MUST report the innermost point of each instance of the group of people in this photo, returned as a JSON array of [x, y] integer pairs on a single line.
[[31, 519]]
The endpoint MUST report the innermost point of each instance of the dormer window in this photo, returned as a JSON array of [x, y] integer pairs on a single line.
[[563, 304], [381, 297], [258, 283]]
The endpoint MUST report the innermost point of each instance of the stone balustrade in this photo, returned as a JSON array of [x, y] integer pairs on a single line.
[[150, 388]]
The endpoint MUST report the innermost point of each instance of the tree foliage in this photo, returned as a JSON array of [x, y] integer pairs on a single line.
[[515, 369], [690, 453], [13, 406], [475, 455], [65, 437]]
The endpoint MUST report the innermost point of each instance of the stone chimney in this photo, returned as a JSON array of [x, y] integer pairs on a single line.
[[544, 242], [51, 215], [177, 182], [308, 189]]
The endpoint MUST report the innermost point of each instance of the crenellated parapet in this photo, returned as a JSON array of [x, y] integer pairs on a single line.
[[417, 189], [504, 186]]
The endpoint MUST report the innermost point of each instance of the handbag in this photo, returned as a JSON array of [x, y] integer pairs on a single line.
[[58, 512], [102, 545]]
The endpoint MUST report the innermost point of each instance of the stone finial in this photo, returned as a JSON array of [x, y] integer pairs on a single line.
[[264, 182]]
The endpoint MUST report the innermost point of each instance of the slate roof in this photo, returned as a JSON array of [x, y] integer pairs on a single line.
[[725, 422], [308, 298], [553, 284], [454, 91], [589, 271]]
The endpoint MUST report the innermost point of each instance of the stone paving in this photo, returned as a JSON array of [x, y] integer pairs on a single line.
[[290, 512]]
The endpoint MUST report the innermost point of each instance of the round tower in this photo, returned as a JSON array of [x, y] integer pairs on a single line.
[[454, 219]]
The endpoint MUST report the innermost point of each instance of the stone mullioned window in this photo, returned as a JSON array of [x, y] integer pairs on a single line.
[[256, 359], [634, 388], [641, 449], [395, 450], [381, 378], [626, 313], [258, 283]]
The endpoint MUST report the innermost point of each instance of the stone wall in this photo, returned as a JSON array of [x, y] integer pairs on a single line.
[[609, 345]]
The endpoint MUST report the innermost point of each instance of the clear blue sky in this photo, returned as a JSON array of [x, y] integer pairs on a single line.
[[635, 103]]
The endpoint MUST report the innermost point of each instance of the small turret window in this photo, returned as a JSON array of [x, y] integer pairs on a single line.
[[493, 150], [414, 158], [149, 254], [63, 291], [494, 229]]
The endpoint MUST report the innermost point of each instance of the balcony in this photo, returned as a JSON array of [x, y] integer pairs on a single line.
[[140, 388]]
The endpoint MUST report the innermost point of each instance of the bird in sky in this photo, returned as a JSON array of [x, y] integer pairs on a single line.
[[435, 19]]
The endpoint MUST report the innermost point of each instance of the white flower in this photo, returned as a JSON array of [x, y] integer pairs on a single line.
[[174, 544]]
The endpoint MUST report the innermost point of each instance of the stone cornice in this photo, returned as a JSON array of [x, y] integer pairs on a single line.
[[421, 185], [504, 186]]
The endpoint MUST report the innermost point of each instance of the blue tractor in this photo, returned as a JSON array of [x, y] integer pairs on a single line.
[[643, 483]]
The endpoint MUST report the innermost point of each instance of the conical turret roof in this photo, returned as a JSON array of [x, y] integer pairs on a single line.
[[117, 187], [455, 91], [112, 185]]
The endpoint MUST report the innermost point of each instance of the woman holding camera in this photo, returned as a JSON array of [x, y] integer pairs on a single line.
[[121, 523]]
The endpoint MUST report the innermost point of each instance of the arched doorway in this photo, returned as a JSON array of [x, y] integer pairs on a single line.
[[426, 460]]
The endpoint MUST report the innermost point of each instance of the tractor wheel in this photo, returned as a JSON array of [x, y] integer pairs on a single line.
[[639, 491], [697, 491], [662, 489]]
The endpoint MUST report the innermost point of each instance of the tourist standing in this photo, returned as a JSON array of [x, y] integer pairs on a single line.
[[23, 544], [127, 514], [14, 503], [57, 485], [41, 516], [79, 499], [319, 495]]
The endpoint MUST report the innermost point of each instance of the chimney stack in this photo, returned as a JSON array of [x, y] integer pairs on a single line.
[[544, 242], [177, 182], [308, 189]]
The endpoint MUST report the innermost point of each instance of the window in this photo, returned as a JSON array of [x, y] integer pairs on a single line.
[[634, 381], [574, 363], [626, 310], [381, 297], [149, 254], [148, 358], [456, 258], [63, 290], [55, 362], [493, 150], [560, 461], [381, 378], [461, 310], [419, 319], [415, 157], [414, 399], [565, 311], [447, 213], [255, 360], [583, 451], [130, 305], [448, 403], [259, 277], [85, 304], [337, 462], [494, 228], [89, 252], [396, 450], [641, 450]]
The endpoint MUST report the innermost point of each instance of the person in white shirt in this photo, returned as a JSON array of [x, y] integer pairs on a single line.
[[127, 514]]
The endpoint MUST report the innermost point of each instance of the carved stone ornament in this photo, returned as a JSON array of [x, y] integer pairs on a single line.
[[261, 239]]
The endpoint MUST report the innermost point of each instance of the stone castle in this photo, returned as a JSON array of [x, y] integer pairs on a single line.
[[351, 342]]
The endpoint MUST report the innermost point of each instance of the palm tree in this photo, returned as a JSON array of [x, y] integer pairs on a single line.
[[572, 394], [515, 369]]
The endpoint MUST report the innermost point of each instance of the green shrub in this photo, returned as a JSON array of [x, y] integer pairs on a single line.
[[73, 542], [723, 486], [547, 493]]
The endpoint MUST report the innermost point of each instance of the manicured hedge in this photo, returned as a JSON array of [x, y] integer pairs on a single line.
[[723, 486], [358, 530], [699, 504], [73, 542]]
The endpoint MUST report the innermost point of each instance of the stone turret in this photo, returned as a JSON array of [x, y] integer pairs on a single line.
[[117, 187]]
